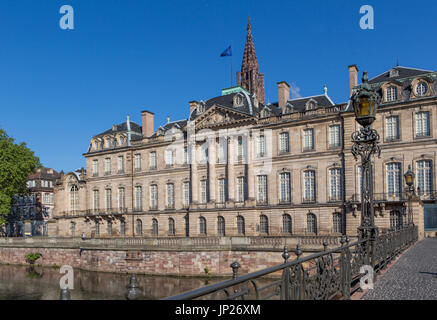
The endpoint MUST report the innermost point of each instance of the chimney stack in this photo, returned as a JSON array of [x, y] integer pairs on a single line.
[[353, 78], [148, 127], [283, 93]]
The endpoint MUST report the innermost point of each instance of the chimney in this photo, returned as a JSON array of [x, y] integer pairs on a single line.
[[353, 77], [193, 104], [147, 118], [283, 93]]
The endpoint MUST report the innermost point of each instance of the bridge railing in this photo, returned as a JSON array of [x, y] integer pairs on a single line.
[[330, 274]]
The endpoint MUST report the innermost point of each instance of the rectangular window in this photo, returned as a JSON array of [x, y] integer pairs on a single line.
[[240, 187], [310, 186], [138, 162], [169, 157], [95, 168], [392, 128], [422, 124], [308, 143], [120, 164], [240, 148], [138, 198], [107, 165], [186, 193], [186, 156], [262, 189], [203, 153], [108, 198], [222, 151], [394, 179], [334, 136], [203, 192], [170, 195], [121, 199], [285, 187], [96, 198], [284, 144], [424, 177], [335, 184], [154, 197], [153, 160], [261, 146], [221, 191]]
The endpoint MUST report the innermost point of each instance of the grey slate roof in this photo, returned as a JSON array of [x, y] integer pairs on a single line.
[[121, 128], [403, 72], [322, 101]]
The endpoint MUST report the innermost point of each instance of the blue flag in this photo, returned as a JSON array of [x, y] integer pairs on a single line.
[[227, 52]]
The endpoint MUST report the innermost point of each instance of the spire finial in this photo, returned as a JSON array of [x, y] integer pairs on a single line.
[[325, 89], [249, 26]]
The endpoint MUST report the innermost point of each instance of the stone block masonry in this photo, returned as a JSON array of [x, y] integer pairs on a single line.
[[172, 262]]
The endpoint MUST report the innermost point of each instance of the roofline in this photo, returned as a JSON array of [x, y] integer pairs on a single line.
[[309, 97], [399, 67]]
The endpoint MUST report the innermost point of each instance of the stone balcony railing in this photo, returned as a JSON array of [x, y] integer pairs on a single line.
[[308, 243]]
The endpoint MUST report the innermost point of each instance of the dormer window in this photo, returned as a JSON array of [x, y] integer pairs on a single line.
[[392, 94], [394, 73], [96, 145], [421, 89], [238, 100], [201, 108], [311, 105]]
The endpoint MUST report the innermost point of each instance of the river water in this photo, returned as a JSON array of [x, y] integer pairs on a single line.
[[19, 283]]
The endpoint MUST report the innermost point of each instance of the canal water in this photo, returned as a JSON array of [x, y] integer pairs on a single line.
[[20, 283]]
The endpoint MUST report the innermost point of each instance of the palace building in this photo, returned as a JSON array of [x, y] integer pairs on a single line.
[[240, 167]]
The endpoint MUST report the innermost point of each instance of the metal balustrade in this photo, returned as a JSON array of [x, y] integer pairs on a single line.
[[330, 274]]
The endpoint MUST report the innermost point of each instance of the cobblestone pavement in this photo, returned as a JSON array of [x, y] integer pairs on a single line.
[[412, 277]]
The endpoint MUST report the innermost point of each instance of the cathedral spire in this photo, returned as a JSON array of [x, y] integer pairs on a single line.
[[249, 77]]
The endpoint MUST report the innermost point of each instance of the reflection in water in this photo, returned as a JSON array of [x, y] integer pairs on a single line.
[[22, 283]]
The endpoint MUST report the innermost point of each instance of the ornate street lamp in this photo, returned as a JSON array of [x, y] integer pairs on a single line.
[[365, 104], [409, 180]]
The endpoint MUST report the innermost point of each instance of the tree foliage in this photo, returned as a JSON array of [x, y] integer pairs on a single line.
[[16, 163]]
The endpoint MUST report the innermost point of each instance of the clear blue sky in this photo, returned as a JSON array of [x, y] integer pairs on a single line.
[[58, 88]]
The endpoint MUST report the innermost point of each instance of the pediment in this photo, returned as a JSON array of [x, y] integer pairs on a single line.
[[218, 116]]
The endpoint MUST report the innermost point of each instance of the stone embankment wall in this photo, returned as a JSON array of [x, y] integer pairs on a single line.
[[147, 256]]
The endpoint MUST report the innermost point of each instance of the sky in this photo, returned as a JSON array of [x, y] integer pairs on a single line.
[[58, 88]]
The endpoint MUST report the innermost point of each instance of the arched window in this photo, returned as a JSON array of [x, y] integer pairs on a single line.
[[311, 223], [109, 228], [337, 223], [155, 227], [202, 226], [264, 224], [73, 228], [221, 226], [241, 228], [123, 228], [392, 93], [286, 223], [396, 221], [139, 227], [74, 198], [171, 229]]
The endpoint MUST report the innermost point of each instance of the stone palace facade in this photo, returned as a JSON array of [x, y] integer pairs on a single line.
[[239, 167]]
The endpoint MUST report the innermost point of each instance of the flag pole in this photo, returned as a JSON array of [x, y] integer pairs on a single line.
[[231, 64]]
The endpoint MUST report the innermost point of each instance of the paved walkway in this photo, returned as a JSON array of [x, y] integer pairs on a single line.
[[412, 277]]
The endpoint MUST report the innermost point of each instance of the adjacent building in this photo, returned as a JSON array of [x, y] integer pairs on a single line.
[[237, 166]]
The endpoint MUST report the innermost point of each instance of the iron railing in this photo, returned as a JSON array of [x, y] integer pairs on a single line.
[[330, 274]]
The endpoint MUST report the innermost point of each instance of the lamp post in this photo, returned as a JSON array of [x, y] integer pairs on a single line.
[[365, 104], [409, 180]]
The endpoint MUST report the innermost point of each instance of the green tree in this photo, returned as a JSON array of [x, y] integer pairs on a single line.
[[16, 163]]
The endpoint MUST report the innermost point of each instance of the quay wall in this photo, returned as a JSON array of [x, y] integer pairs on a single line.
[[143, 256]]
